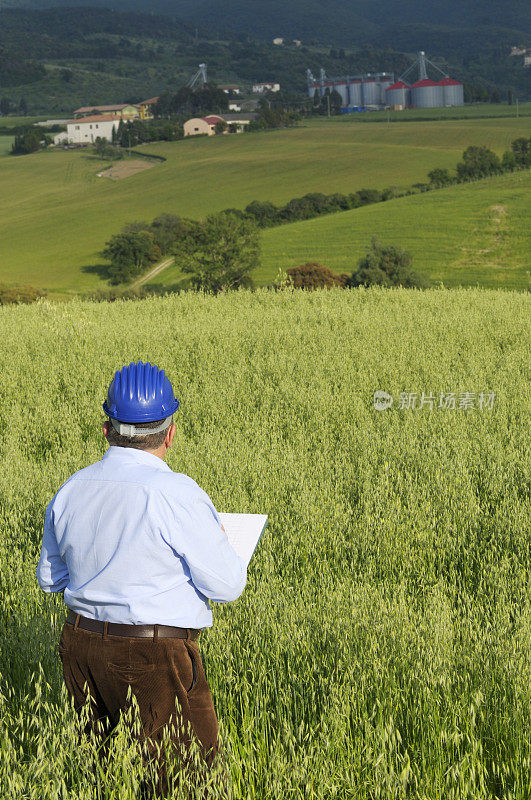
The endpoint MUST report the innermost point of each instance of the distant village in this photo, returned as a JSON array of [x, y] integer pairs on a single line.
[[90, 123]]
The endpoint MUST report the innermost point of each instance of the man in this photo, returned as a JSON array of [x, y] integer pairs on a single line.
[[138, 551]]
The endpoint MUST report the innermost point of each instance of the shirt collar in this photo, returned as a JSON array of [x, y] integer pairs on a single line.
[[132, 455]]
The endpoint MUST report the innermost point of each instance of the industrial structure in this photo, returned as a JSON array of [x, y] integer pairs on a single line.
[[377, 90]]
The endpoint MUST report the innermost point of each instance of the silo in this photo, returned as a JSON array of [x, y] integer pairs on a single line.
[[370, 92], [452, 92], [427, 94], [341, 86], [354, 92], [311, 90], [398, 94], [385, 82]]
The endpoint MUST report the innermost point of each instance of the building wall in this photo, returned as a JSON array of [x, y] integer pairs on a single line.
[[198, 126], [79, 132]]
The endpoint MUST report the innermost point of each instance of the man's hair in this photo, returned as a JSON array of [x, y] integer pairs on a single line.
[[150, 441]]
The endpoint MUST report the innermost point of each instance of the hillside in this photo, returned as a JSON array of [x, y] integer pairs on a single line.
[[471, 234], [337, 21], [55, 204], [59, 58], [384, 627]]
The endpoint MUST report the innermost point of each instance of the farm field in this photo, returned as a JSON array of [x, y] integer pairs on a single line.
[[481, 110], [5, 144], [476, 233], [381, 647], [467, 234], [55, 204]]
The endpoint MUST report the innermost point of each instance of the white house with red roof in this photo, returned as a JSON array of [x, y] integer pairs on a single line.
[[88, 129]]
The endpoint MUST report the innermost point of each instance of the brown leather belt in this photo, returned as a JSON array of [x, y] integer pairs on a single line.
[[137, 631]]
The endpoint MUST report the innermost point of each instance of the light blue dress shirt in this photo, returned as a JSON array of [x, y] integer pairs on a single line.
[[131, 541]]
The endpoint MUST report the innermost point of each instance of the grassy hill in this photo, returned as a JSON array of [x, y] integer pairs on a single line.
[[467, 234], [56, 214], [384, 628]]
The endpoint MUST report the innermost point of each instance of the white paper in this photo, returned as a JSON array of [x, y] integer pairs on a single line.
[[244, 532]]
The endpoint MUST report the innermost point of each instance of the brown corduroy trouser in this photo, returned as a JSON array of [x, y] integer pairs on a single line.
[[159, 671]]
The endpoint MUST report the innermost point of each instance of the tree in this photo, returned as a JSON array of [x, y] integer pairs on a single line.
[[129, 254], [521, 148], [5, 106], [264, 212], [478, 162], [220, 127], [386, 265], [313, 275], [440, 177], [226, 249], [29, 141], [336, 101], [22, 107]]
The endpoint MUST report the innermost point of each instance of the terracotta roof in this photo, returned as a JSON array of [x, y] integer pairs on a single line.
[[95, 118], [425, 82], [449, 82], [212, 119], [398, 85], [83, 109], [149, 102]]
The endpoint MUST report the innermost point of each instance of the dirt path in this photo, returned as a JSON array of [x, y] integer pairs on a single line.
[[152, 272]]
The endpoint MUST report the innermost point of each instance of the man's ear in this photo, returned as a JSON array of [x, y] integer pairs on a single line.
[[106, 427], [169, 436]]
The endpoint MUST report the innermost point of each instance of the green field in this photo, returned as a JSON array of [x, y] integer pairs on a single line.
[[56, 214], [476, 233], [5, 145], [467, 234], [381, 647], [481, 110]]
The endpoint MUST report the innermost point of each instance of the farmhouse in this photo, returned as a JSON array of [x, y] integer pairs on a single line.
[[123, 111], [87, 130], [268, 86], [230, 88], [207, 125], [146, 108], [198, 126]]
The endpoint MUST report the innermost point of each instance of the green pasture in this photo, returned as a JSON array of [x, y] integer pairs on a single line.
[[380, 650], [5, 145], [476, 233], [56, 214], [479, 111]]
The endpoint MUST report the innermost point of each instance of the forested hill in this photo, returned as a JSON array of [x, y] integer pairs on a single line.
[[63, 57], [442, 25]]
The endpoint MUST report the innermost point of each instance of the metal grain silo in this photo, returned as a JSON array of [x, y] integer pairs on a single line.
[[355, 99], [427, 94], [452, 92], [385, 82], [370, 92], [341, 86], [398, 94]]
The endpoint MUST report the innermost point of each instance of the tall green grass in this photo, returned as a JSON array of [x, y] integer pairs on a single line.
[[381, 647]]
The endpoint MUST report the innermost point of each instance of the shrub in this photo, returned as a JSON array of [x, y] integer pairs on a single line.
[[478, 162], [19, 294], [386, 265], [313, 275]]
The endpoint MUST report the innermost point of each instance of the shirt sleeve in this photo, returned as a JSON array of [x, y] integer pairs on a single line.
[[52, 572], [215, 568]]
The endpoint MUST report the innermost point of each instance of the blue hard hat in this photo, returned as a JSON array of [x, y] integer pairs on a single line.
[[140, 393]]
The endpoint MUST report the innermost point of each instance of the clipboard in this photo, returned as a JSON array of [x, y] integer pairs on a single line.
[[244, 532]]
